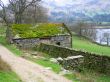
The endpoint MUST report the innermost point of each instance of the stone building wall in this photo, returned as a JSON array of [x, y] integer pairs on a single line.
[[62, 40]]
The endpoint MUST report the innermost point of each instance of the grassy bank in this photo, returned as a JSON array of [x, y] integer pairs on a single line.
[[4, 42], [8, 77], [12, 47], [81, 43], [46, 63], [6, 74], [54, 67]]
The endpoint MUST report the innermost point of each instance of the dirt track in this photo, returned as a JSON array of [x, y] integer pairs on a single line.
[[29, 71]]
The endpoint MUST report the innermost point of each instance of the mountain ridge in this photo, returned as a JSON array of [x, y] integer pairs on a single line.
[[90, 10]]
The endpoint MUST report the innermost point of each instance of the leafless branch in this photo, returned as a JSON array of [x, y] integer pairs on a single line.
[[3, 14]]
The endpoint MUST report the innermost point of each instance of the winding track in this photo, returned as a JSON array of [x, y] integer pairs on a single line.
[[29, 71]]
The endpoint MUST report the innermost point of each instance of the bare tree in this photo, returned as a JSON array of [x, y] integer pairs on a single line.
[[85, 29], [3, 13], [24, 11], [78, 27], [107, 37], [35, 13], [19, 6]]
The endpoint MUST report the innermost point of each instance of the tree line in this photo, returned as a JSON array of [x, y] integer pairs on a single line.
[[23, 11]]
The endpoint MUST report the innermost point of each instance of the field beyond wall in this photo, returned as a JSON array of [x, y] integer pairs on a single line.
[[81, 43]]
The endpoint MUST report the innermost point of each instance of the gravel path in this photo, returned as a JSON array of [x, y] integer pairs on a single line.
[[29, 71]]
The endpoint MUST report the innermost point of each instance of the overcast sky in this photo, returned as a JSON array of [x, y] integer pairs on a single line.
[[5, 1], [90, 6], [64, 2]]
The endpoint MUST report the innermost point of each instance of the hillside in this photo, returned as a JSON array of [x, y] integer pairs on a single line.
[[81, 43], [68, 11]]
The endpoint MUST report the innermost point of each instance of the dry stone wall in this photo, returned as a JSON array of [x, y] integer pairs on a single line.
[[92, 61]]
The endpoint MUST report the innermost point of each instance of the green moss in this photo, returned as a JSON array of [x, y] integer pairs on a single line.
[[39, 30]]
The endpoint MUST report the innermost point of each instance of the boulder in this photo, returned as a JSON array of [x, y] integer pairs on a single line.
[[60, 59], [48, 68], [64, 71], [53, 60]]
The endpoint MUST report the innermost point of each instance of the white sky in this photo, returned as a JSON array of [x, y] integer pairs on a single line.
[[65, 2], [5, 1], [92, 6]]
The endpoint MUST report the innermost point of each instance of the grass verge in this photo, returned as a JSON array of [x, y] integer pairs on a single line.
[[46, 63], [8, 77], [12, 47], [55, 67], [6, 74], [4, 42]]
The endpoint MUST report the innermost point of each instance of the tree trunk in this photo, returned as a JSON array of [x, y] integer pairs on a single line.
[[18, 18], [107, 41], [80, 32], [9, 35]]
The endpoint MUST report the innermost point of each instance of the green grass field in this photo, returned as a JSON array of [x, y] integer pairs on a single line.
[[81, 43], [8, 77]]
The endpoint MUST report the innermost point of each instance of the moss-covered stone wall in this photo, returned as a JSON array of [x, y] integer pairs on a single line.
[[92, 61]]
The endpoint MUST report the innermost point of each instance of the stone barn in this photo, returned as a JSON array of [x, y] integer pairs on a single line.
[[28, 36]]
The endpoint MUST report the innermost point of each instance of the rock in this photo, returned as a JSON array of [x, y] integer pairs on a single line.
[[26, 54], [17, 36], [34, 53], [48, 68], [60, 59], [73, 57], [64, 71], [34, 56], [53, 60]]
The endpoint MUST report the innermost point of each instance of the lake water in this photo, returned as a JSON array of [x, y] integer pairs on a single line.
[[100, 38]]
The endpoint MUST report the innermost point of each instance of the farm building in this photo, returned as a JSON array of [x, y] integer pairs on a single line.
[[27, 35]]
